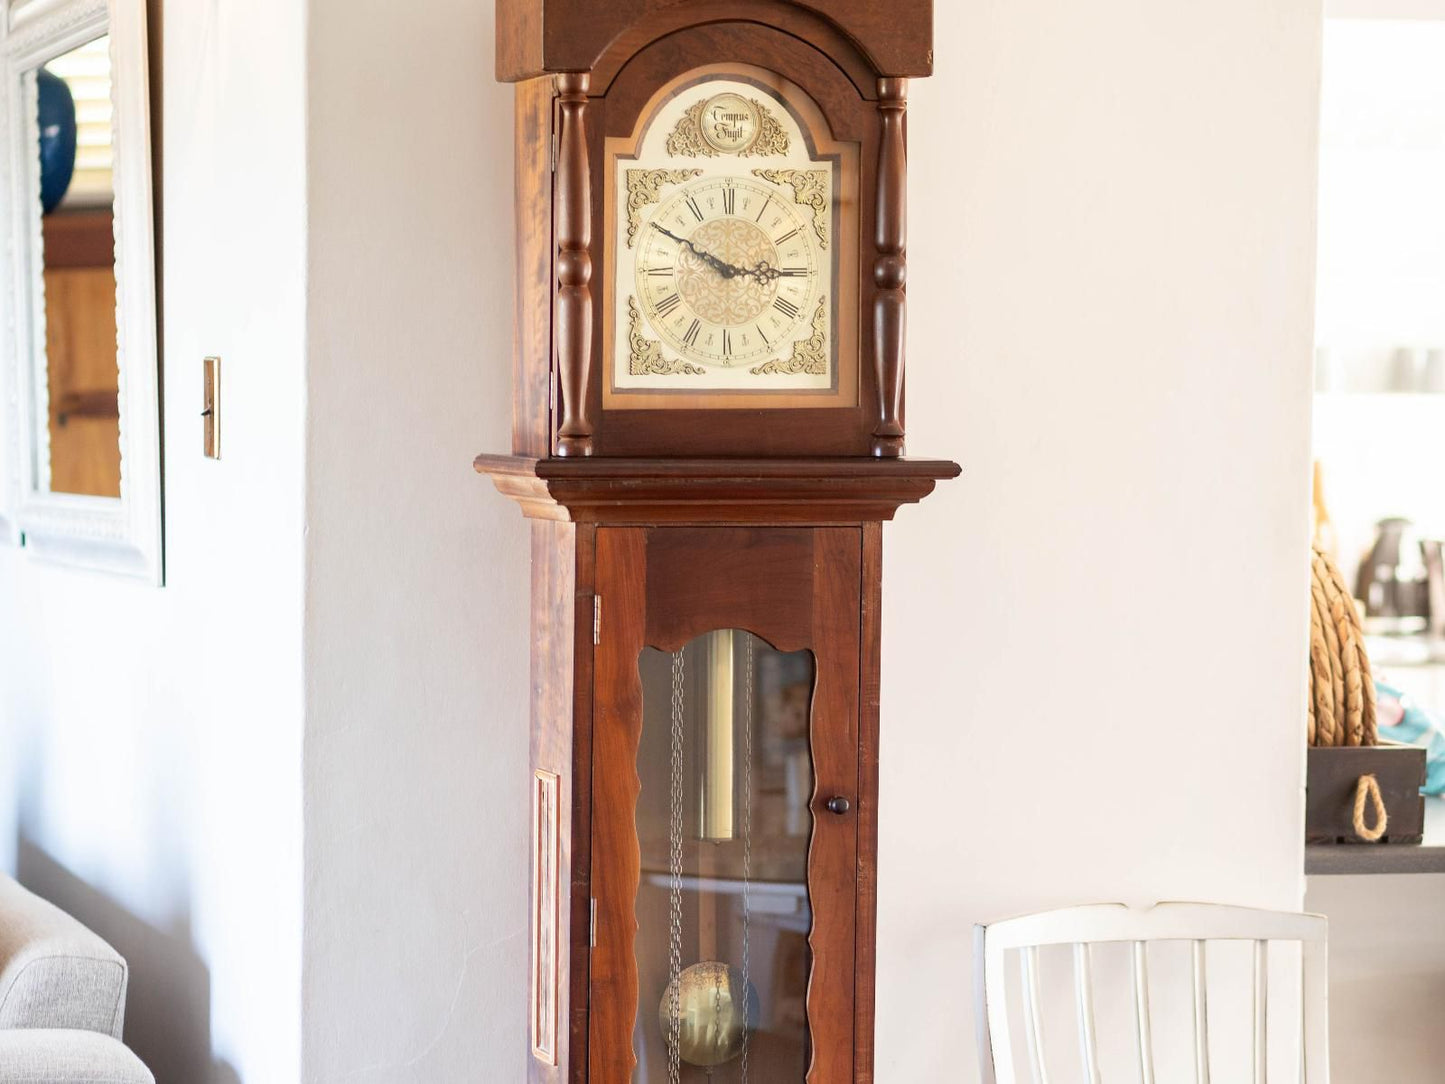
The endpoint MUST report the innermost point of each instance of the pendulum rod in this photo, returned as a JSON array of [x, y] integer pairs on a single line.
[[747, 843], [674, 858]]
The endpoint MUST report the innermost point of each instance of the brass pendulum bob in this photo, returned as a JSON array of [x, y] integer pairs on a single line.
[[716, 1010]]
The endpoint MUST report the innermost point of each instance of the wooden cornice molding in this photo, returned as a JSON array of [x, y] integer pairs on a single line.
[[815, 492], [535, 37]]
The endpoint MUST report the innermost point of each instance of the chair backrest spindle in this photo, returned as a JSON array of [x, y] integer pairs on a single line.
[[1200, 974], [1033, 1015], [1143, 1021], [1314, 976], [1261, 1011], [1084, 995]]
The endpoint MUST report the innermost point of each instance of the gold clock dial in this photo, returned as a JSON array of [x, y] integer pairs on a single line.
[[728, 271], [726, 248]]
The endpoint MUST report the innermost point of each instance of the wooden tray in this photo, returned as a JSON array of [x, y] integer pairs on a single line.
[[1334, 775]]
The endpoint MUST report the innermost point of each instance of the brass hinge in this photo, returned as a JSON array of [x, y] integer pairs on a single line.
[[592, 935], [596, 620]]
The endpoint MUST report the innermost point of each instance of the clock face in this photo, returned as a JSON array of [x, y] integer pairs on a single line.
[[728, 272], [725, 245]]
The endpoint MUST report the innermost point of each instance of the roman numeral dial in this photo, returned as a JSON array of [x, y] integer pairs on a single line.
[[730, 260], [728, 273]]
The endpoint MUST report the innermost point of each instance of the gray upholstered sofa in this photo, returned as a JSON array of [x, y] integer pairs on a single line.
[[62, 999]]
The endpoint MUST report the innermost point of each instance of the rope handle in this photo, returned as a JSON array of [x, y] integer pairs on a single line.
[[1368, 790]]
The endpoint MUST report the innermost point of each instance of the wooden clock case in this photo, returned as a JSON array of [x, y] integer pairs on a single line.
[[650, 527], [851, 57]]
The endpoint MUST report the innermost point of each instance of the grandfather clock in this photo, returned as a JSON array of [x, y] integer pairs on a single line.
[[708, 436]]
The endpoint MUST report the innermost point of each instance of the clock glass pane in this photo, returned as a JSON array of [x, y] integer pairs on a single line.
[[725, 246], [723, 827]]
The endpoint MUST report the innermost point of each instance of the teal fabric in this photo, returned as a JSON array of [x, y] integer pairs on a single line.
[[1418, 727]]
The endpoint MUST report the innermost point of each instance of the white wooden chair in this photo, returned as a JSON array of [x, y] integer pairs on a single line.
[[1194, 923]]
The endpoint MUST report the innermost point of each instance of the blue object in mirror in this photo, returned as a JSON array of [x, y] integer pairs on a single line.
[[57, 138]]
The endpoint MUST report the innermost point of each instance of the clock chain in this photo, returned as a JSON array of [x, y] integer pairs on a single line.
[[674, 839], [747, 840]]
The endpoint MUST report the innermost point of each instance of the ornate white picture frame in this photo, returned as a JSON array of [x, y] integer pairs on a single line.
[[117, 535]]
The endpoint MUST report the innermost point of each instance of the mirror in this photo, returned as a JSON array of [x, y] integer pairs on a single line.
[[80, 452], [80, 380]]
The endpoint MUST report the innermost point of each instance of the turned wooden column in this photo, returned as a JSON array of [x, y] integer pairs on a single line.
[[573, 329], [890, 271]]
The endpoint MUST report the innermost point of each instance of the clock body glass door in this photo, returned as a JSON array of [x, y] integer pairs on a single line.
[[725, 721], [731, 270], [723, 825]]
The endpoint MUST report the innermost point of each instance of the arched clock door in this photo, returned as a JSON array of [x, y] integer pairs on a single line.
[[725, 790]]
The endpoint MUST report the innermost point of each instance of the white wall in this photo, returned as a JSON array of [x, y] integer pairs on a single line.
[[1094, 640], [152, 782], [1112, 266], [416, 618]]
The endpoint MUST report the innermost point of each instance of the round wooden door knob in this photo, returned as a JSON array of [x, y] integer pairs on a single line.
[[838, 805]]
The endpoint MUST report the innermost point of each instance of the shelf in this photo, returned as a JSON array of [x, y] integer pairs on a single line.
[[816, 492], [1325, 859]]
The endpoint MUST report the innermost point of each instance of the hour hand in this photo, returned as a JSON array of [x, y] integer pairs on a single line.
[[726, 270]]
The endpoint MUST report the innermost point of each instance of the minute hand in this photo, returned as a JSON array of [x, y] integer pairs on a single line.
[[722, 267]]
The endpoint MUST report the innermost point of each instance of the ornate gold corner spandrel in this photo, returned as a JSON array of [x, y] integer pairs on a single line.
[[810, 189], [644, 188], [646, 356], [809, 356]]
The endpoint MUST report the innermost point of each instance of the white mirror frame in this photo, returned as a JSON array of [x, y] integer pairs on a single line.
[[118, 535]]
